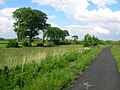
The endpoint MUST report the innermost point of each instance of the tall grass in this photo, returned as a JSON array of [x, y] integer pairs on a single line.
[[116, 52], [16, 56], [54, 72]]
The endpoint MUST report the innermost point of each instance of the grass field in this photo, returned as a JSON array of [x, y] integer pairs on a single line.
[[116, 52], [16, 56], [38, 68], [3, 44]]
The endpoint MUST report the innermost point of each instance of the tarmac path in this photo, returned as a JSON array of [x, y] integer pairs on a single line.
[[101, 75]]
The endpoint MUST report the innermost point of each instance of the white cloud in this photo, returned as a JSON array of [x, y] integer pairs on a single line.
[[100, 30], [6, 21], [68, 6], [78, 9], [91, 28], [80, 30], [54, 25], [103, 3], [2, 2], [101, 20], [52, 17]]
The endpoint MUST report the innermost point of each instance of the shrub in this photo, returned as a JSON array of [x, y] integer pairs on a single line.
[[64, 42], [71, 56], [24, 42], [49, 44], [37, 43], [12, 43], [90, 41]]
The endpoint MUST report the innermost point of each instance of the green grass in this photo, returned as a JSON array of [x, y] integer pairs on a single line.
[[116, 52], [43, 68], [3, 44], [16, 56]]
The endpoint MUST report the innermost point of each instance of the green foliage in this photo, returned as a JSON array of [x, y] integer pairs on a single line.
[[56, 34], [12, 56], [24, 42], [75, 37], [115, 50], [89, 41], [53, 73], [64, 42], [2, 39], [71, 56], [3, 43], [29, 22], [12, 43], [37, 43], [49, 44]]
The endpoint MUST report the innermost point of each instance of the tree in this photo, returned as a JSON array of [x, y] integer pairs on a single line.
[[90, 41], [21, 33], [65, 33], [75, 37], [44, 31], [31, 20], [56, 34]]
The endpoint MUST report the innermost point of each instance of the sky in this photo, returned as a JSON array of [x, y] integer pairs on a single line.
[[96, 17]]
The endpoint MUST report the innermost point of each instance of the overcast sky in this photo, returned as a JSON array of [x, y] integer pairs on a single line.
[[98, 17]]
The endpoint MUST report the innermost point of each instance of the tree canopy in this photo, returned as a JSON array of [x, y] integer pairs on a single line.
[[28, 22], [75, 37], [56, 34]]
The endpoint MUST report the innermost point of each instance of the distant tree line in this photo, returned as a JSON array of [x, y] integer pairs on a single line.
[[29, 23], [2, 38]]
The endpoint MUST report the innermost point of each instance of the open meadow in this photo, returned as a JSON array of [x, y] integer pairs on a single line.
[[39, 68], [16, 56]]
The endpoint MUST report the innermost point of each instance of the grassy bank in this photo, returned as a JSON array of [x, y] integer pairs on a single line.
[[53, 72], [116, 52]]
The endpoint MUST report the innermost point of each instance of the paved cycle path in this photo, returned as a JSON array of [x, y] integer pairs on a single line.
[[101, 75]]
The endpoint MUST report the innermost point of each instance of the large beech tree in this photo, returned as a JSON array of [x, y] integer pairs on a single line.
[[31, 21]]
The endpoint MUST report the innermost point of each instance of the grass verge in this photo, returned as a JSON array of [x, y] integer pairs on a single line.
[[53, 73], [116, 52]]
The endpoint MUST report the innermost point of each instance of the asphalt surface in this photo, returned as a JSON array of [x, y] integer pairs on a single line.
[[101, 75]]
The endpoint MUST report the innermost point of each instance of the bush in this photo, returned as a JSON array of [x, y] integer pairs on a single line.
[[64, 42], [37, 43], [49, 44], [71, 56], [12, 43], [90, 41], [24, 42]]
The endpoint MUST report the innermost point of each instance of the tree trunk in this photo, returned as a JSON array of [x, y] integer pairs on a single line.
[[46, 38], [30, 38], [43, 38]]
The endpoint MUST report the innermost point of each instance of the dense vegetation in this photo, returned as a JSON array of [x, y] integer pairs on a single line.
[[3, 43], [14, 56], [116, 52], [90, 41], [52, 72]]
